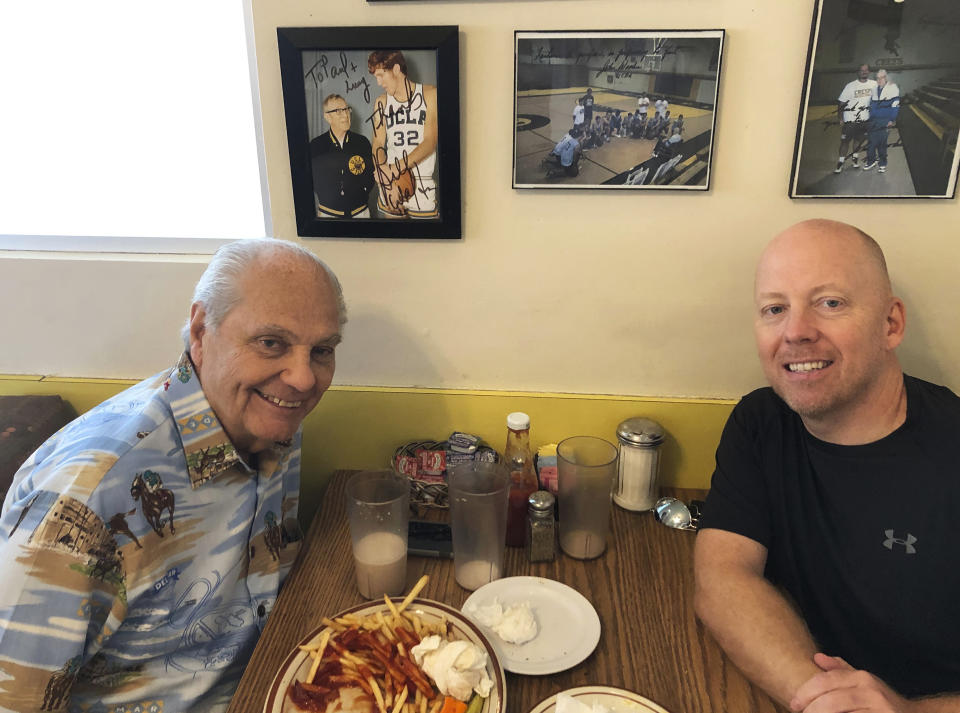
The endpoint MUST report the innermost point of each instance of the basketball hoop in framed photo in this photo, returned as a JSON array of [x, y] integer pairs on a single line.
[[880, 107], [624, 110], [373, 130]]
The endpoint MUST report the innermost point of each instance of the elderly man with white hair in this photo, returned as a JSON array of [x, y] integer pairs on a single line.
[[144, 544]]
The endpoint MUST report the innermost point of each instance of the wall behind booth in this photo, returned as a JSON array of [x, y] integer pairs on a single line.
[[582, 305]]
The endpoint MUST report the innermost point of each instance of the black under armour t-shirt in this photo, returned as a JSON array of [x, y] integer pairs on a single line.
[[864, 538]]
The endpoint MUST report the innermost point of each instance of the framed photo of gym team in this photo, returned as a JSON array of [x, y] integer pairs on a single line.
[[880, 106], [623, 110], [373, 130]]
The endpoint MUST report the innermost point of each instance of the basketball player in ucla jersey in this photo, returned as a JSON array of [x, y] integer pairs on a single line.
[[404, 139]]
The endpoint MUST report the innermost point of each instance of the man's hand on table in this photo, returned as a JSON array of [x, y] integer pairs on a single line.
[[841, 688]]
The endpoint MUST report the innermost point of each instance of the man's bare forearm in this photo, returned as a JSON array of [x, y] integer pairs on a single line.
[[754, 624]]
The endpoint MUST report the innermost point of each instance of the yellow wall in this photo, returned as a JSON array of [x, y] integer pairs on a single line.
[[357, 427]]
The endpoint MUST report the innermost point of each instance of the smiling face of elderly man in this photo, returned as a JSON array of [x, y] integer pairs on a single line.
[[826, 322], [266, 365]]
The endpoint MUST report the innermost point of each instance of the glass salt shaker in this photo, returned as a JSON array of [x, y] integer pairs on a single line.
[[638, 484], [541, 538]]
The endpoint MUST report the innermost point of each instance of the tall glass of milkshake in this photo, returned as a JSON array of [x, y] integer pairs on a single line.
[[378, 510]]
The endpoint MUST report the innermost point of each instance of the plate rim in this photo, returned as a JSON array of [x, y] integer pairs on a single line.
[[500, 679], [543, 705], [519, 667]]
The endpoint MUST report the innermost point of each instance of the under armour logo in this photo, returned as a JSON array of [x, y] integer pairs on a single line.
[[907, 543]]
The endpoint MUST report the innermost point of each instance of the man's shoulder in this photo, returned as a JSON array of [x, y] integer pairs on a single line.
[[123, 412], [359, 138], [933, 396], [87, 467], [320, 144], [761, 405], [88, 448]]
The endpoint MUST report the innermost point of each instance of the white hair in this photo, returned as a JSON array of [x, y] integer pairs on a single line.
[[218, 289], [882, 71]]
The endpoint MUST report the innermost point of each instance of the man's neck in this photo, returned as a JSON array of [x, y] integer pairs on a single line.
[[875, 415], [404, 90], [339, 137]]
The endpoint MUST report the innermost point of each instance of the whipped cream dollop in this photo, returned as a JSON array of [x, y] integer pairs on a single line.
[[515, 624], [569, 704], [457, 667]]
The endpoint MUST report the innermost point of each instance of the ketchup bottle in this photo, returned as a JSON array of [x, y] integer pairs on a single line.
[[523, 479]]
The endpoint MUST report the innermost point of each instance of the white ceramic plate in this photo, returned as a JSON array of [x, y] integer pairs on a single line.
[[297, 664], [615, 700], [569, 628]]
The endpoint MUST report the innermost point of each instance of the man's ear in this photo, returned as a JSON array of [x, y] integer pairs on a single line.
[[198, 328], [896, 323]]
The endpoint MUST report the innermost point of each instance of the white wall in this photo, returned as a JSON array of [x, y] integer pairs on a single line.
[[592, 291]]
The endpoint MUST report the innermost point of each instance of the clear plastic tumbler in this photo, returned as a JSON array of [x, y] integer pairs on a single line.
[[478, 517], [586, 473], [378, 509]]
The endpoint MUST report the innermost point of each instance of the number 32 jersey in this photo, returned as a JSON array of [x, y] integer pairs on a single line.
[[404, 122]]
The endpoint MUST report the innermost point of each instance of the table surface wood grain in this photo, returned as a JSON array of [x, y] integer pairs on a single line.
[[641, 587]]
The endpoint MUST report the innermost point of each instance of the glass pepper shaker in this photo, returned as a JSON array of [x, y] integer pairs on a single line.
[[541, 528]]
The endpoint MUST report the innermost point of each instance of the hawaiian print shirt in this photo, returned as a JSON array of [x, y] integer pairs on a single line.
[[141, 556]]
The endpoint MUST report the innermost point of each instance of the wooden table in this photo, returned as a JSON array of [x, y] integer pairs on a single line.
[[642, 589]]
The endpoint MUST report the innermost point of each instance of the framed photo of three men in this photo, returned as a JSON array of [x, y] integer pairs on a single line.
[[373, 130], [881, 101]]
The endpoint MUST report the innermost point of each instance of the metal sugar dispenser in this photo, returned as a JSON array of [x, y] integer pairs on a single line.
[[639, 471], [541, 527]]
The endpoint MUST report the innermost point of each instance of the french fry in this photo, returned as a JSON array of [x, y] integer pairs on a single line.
[[333, 624], [423, 704], [391, 606], [421, 583], [437, 703], [377, 696], [401, 699], [318, 655]]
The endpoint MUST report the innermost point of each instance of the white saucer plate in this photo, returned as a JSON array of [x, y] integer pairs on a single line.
[[615, 700], [569, 628], [296, 666]]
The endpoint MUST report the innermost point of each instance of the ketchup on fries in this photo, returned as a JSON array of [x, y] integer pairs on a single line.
[[366, 664]]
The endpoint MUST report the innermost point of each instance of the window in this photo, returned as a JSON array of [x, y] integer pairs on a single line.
[[129, 126]]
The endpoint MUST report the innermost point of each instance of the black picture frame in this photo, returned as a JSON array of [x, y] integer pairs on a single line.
[[565, 80], [917, 44], [320, 61]]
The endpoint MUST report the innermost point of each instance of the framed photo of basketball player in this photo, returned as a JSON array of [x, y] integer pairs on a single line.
[[623, 110], [879, 110], [373, 130]]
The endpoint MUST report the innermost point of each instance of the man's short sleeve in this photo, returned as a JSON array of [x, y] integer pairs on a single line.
[[737, 501]]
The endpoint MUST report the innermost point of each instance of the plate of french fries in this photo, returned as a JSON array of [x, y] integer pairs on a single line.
[[360, 661]]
